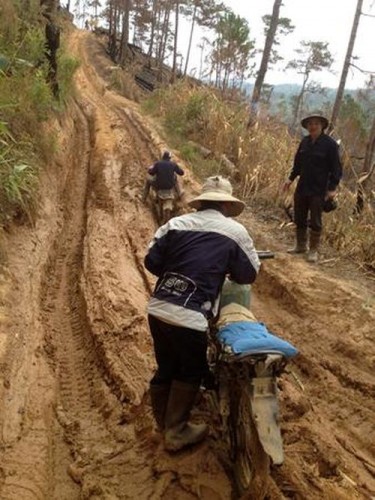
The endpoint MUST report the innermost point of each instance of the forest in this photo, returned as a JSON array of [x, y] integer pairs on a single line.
[[227, 59]]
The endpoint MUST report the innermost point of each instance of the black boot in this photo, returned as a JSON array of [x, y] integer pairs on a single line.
[[313, 256], [301, 241], [159, 394], [178, 432]]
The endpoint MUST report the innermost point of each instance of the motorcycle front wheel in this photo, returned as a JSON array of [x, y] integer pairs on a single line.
[[251, 464]]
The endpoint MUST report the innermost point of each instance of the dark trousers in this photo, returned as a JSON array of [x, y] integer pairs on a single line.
[[181, 353], [303, 205]]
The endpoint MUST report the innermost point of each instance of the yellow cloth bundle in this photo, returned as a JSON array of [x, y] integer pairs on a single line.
[[233, 313]]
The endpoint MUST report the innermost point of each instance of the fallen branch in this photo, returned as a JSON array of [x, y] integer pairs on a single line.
[[297, 379]]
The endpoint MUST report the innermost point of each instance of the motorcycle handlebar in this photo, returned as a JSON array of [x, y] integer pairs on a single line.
[[265, 254]]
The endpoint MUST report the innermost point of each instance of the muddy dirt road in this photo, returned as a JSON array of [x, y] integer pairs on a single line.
[[76, 356]]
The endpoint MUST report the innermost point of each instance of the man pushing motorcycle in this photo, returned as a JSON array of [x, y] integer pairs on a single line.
[[162, 175], [191, 255]]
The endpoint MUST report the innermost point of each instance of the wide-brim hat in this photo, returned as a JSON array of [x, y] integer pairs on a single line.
[[219, 189], [319, 116]]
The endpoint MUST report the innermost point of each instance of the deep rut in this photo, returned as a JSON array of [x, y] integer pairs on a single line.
[[80, 384], [87, 410], [75, 423]]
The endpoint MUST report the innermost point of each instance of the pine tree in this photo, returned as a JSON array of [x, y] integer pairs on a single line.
[[312, 57]]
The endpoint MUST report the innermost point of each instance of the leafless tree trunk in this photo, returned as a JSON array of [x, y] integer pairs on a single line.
[[265, 57], [344, 74], [368, 169], [299, 100], [190, 39], [125, 31], [164, 38], [153, 26], [113, 20], [202, 46], [52, 44], [173, 77], [165, 31], [110, 16]]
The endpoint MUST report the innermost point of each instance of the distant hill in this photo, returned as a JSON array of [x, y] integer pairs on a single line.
[[287, 91], [280, 98]]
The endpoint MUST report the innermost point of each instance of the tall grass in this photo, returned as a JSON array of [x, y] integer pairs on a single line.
[[18, 180], [263, 157], [26, 104]]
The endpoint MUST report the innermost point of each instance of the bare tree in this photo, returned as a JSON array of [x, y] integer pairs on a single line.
[[193, 18], [368, 169], [154, 18], [52, 33], [312, 56], [347, 62], [124, 31], [266, 55], [177, 7]]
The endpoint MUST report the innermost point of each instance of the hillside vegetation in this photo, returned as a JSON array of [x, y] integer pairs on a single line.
[[262, 157], [27, 139]]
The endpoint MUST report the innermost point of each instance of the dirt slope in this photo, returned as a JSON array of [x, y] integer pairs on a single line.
[[76, 356]]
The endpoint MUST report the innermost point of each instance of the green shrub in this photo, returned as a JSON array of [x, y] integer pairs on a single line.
[[67, 66], [40, 95], [26, 103], [18, 180], [189, 152]]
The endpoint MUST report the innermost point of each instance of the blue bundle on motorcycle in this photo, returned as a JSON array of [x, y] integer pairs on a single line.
[[253, 337]]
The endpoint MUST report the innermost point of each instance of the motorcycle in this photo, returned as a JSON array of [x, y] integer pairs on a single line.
[[164, 204], [246, 400]]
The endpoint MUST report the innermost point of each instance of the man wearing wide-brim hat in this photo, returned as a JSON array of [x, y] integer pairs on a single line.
[[317, 164], [191, 255]]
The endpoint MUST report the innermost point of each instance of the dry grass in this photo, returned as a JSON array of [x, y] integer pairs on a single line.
[[123, 82], [263, 157], [351, 234]]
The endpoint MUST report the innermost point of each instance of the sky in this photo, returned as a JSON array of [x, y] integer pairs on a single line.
[[317, 20]]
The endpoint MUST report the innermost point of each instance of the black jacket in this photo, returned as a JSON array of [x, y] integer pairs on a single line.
[[165, 171], [191, 255], [318, 166]]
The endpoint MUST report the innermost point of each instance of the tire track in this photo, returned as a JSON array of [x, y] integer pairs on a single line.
[[84, 397]]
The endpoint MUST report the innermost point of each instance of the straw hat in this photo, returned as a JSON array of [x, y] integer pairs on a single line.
[[317, 115], [218, 188]]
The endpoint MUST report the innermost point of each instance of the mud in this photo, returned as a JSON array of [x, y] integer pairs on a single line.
[[76, 355]]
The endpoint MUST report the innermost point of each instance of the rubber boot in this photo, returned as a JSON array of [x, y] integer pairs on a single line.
[[301, 241], [146, 191], [179, 433], [312, 256], [159, 394]]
